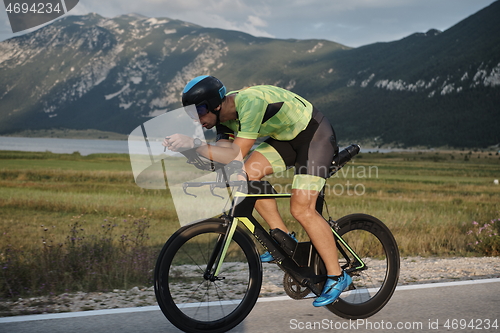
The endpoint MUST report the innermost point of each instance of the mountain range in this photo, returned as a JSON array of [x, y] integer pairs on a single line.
[[112, 74]]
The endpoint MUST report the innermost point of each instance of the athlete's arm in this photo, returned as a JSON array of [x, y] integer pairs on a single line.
[[225, 151]]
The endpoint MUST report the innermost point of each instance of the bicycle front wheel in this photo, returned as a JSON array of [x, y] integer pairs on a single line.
[[373, 285], [192, 301]]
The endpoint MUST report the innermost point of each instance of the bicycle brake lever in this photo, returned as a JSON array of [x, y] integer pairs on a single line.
[[212, 188], [184, 187]]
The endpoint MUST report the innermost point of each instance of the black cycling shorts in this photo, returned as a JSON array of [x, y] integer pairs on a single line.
[[311, 152]]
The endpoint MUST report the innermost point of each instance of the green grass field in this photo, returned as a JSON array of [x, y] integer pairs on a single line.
[[428, 199]]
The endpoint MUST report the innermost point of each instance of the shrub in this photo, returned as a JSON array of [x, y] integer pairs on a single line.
[[83, 262], [485, 237]]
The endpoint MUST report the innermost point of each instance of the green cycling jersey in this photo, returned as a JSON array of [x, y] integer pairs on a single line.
[[269, 111]]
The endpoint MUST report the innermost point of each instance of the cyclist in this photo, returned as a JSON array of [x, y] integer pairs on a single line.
[[299, 136]]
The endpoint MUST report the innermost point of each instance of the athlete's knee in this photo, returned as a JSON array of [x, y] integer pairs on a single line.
[[302, 211]]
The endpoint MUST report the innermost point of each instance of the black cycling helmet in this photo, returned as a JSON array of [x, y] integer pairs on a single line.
[[205, 91]]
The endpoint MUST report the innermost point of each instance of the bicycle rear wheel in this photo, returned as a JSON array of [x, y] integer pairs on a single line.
[[372, 287], [194, 303]]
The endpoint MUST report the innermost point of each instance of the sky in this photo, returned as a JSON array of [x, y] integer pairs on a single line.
[[349, 22]]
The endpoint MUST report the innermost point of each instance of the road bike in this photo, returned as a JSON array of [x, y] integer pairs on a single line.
[[208, 275]]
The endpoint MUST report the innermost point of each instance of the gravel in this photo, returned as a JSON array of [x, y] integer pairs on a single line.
[[414, 270]]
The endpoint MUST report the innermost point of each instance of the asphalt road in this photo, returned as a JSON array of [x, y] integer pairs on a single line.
[[452, 307]]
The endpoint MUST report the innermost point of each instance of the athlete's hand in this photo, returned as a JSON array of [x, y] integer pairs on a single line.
[[178, 142]]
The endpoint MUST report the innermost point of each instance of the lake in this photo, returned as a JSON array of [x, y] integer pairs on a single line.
[[86, 147], [64, 146]]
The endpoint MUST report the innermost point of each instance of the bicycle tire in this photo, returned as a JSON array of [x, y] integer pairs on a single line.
[[374, 243], [191, 302]]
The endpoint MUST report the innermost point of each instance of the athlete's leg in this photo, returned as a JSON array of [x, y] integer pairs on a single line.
[[316, 147], [303, 208], [257, 166]]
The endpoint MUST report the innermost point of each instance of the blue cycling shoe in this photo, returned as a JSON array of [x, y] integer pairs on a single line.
[[267, 257], [333, 289]]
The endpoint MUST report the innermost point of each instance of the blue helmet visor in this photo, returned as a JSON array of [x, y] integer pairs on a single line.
[[202, 110]]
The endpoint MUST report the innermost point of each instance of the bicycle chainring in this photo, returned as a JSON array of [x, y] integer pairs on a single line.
[[293, 288]]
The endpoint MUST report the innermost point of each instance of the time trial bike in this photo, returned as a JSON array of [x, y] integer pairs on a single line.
[[208, 275]]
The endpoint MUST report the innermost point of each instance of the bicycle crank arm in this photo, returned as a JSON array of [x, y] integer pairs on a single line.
[[303, 275]]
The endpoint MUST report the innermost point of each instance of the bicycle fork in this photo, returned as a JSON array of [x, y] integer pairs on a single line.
[[218, 255]]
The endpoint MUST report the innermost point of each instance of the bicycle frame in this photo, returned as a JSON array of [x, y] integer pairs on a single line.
[[241, 211]]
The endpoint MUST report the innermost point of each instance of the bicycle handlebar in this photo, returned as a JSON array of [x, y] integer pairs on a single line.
[[213, 185]]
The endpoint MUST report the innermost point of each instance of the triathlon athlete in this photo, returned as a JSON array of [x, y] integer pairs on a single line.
[[298, 136]]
